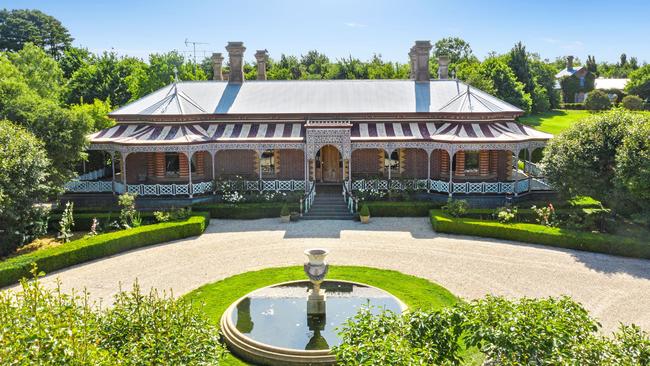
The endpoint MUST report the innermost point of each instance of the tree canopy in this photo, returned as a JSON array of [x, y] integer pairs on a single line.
[[21, 26]]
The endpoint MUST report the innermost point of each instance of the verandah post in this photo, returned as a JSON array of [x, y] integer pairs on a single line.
[[112, 153], [451, 154], [428, 170]]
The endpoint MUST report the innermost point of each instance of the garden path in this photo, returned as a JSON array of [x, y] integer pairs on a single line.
[[614, 289]]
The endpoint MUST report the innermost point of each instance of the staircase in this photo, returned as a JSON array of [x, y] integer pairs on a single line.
[[328, 204]]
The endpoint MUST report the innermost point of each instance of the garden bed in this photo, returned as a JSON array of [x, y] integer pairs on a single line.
[[245, 210], [102, 245], [540, 234]]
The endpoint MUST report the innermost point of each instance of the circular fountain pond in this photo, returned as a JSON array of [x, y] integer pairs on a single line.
[[271, 325]]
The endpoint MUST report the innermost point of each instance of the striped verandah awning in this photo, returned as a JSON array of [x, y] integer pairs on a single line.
[[189, 133], [499, 131], [192, 133]]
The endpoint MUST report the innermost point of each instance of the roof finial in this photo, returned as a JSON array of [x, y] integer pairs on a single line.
[[175, 74]]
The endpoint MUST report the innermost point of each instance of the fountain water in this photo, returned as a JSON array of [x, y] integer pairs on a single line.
[[296, 323]]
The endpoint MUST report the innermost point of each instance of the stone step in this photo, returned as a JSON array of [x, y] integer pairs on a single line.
[[328, 217]]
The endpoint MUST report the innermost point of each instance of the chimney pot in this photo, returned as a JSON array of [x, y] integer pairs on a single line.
[[236, 61], [422, 49], [217, 62], [412, 60], [262, 57], [569, 62], [443, 67]]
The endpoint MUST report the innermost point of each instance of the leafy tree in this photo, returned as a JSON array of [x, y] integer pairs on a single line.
[[315, 64], [73, 59], [582, 160], [544, 75], [505, 83], [518, 62], [97, 111], [639, 83], [633, 165], [107, 77], [348, 68], [591, 64], [597, 100], [40, 71], [471, 73], [160, 72], [456, 48], [21, 26], [24, 170], [632, 102]]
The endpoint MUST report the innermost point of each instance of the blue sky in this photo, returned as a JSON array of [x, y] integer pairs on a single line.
[[339, 28]]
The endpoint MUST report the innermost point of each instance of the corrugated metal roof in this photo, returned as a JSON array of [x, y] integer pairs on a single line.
[[568, 72], [314, 96]]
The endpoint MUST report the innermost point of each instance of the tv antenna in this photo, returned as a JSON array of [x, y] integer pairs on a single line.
[[193, 43]]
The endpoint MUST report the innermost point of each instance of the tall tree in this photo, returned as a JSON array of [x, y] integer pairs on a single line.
[[21, 26], [161, 71], [315, 63], [24, 170], [456, 48], [40, 71], [640, 82], [73, 59], [591, 64], [518, 62], [108, 77]]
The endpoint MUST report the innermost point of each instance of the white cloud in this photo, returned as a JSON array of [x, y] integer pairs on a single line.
[[355, 25]]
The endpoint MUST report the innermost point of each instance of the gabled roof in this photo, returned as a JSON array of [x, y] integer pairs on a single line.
[[568, 72], [315, 96]]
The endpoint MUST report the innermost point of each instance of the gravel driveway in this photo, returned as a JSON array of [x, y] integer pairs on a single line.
[[614, 289]]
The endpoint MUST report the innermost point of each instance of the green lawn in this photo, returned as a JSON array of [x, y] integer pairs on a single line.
[[213, 299], [554, 121]]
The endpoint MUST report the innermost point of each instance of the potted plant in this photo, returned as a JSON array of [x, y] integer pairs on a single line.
[[364, 214], [285, 216]]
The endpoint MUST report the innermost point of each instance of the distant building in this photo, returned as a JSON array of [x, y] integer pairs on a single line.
[[575, 83]]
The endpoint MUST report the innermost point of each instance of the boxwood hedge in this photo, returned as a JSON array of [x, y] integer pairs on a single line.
[[540, 234], [245, 210], [400, 208], [86, 249]]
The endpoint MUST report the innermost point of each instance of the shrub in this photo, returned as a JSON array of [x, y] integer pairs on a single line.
[[551, 331], [633, 103], [540, 234], [573, 106], [126, 202], [505, 214], [365, 211], [545, 215], [401, 209], [48, 327], [82, 250], [245, 210], [66, 223], [284, 211], [597, 101], [456, 208]]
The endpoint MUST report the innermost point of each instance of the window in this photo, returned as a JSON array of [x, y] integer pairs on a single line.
[[267, 164], [172, 165], [582, 81], [471, 162]]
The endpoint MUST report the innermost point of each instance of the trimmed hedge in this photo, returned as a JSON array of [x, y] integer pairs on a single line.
[[401, 208], [245, 210], [103, 245], [540, 234]]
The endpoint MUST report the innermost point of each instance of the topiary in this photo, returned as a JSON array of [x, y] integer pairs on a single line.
[[284, 211], [365, 211], [632, 102], [597, 100]]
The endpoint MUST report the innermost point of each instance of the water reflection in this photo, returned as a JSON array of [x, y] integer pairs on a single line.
[[277, 315]]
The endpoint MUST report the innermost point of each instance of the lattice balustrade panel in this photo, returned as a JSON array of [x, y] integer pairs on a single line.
[[382, 185], [165, 189], [475, 187], [151, 190], [507, 187], [491, 187], [181, 188], [285, 185], [460, 187]]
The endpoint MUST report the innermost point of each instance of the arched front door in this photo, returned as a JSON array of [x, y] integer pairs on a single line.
[[330, 164]]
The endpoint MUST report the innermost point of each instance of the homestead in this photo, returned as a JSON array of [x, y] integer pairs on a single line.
[[435, 135]]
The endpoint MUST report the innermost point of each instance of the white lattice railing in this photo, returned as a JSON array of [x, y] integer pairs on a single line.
[[264, 185], [83, 186], [308, 199], [94, 175], [443, 186]]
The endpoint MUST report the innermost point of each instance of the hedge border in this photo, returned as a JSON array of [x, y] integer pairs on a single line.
[[400, 208], [245, 211], [540, 234], [103, 245]]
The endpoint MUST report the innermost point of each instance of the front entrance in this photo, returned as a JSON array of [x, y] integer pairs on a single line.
[[329, 164]]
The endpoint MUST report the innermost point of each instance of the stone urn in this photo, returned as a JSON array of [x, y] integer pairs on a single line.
[[316, 269]]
